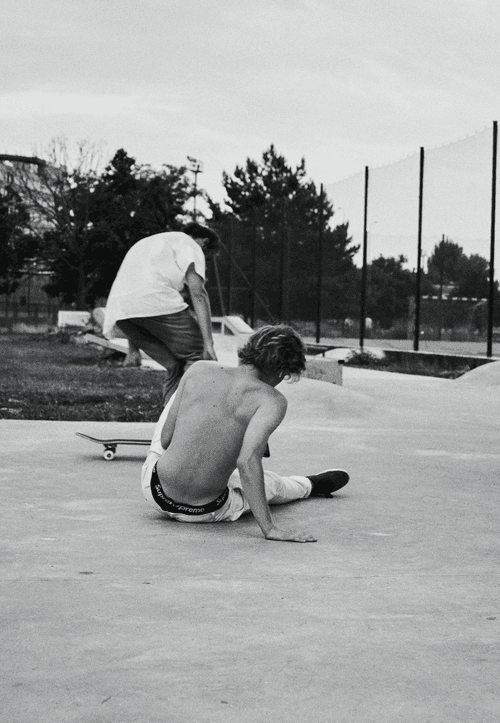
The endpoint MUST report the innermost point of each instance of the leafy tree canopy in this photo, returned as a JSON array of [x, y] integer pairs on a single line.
[[469, 275], [132, 201], [279, 217], [445, 262], [473, 277], [92, 218], [390, 286], [274, 187]]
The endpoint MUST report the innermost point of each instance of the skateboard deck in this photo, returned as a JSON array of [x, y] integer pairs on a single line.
[[110, 445]]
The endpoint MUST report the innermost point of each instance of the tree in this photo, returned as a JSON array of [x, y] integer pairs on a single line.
[[390, 287], [59, 198], [132, 201], [17, 242], [278, 213], [92, 218], [445, 263], [473, 277]]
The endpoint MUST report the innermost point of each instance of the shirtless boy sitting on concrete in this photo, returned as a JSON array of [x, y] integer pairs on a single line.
[[205, 460]]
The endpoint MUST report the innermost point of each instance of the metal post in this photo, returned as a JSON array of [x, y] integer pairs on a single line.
[[418, 286], [286, 272], [440, 300], [230, 265], [254, 271], [196, 167], [320, 267], [362, 312], [491, 299], [281, 297]]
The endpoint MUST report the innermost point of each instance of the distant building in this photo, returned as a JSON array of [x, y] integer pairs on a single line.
[[11, 166], [30, 295], [21, 172]]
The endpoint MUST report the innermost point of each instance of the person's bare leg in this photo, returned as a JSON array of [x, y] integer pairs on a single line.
[[133, 358], [157, 349]]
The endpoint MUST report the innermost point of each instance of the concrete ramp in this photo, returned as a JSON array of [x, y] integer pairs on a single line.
[[487, 375], [233, 324]]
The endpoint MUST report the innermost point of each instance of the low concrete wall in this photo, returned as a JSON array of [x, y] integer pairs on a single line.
[[324, 370], [450, 362]]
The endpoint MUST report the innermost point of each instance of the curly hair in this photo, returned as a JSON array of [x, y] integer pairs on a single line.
[[275, 350]]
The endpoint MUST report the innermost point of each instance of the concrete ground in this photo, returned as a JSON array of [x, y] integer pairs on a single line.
[[113, 614]]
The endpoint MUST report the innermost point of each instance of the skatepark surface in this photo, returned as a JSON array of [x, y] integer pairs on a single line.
[[112, 614]]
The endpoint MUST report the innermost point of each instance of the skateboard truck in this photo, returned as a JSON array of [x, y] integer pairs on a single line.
[[109, 452]]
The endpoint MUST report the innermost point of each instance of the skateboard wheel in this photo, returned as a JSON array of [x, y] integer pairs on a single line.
[[108, 455]]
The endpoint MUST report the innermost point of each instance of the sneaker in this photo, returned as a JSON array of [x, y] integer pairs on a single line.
[[324, 483]]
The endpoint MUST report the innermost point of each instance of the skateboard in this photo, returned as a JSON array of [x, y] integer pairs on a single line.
[[110, 445]]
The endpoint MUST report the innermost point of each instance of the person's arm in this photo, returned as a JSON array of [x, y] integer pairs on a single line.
[[169, 426], [201, 306], [268, 416]]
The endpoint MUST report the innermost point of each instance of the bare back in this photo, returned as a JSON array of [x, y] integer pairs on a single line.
[[205, 428]]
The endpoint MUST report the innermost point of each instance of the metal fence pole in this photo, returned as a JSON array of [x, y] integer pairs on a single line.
[[230, 266], [281, 296], [320, 267], [253, 277], [362, 312], [286, 272], [491, 299], [418, 285]]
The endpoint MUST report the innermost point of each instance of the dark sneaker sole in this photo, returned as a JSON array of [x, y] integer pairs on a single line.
[[337, 478]]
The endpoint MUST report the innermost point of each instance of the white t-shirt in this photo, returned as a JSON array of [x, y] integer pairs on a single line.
[[151, 277]]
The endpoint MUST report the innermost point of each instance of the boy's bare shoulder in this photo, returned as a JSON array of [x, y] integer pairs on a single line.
[[229, 377], [204, 367], [272, 396]]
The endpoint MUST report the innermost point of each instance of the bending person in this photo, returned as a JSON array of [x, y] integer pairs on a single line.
[[147, 304], [205, 460]]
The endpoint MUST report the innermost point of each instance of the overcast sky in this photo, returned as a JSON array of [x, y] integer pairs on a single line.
[[343, 83]]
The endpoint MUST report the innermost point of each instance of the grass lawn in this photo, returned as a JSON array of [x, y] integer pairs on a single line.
[[49, 377]]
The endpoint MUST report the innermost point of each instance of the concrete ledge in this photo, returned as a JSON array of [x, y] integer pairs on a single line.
[[73, 319], [324, 370], [444, 360], [453, 362]]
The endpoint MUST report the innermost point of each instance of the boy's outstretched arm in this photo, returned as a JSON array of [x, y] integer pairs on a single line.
[[265, 420]]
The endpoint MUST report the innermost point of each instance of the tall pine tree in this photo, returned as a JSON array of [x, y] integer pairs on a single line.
[[278, 219]]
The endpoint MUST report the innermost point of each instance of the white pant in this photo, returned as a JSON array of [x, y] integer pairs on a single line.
[[279, 490]]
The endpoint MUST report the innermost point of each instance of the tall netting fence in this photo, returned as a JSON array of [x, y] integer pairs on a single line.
[[238, 284], [431, 214], [267, 270]]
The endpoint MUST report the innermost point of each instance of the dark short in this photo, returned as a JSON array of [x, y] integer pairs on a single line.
[[169, 505]]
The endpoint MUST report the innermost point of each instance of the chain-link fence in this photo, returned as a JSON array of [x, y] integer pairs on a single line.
[[21, 317], [437, 209], [273, 268]]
